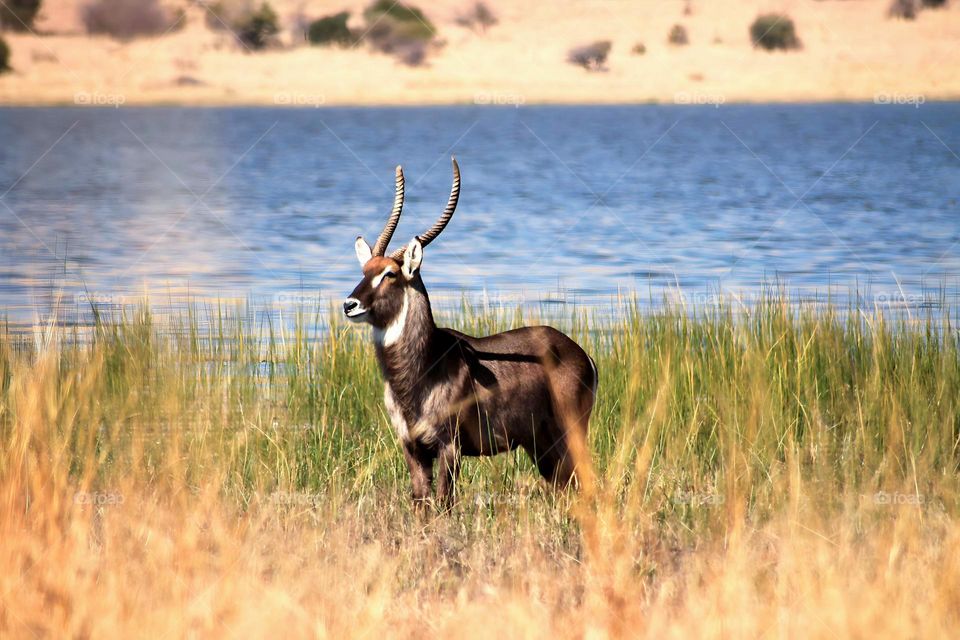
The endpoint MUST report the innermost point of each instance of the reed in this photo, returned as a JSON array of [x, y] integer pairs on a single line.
[[781, 470]]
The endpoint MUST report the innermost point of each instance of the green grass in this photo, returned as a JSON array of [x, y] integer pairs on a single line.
[[696, 408], [781, 467]]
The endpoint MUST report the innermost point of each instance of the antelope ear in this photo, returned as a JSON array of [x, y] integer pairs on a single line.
[[412, 257], [363, 250]]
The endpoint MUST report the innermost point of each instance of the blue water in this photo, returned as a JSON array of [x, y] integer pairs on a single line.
[[557, 202]]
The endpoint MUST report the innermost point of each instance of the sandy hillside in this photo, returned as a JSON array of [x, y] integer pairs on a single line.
[[851, 51]]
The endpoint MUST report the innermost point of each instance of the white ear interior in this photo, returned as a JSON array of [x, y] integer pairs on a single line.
[[412, 257], [363, 250]]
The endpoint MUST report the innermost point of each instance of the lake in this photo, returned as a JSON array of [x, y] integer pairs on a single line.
[[558, 203]]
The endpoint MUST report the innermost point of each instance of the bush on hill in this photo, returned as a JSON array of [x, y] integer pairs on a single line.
[[399, 30], [592, 57], [331, 30], [18, 15], [773, 31], [126, 19]]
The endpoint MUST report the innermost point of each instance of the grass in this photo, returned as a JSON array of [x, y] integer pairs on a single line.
[[782, 471]]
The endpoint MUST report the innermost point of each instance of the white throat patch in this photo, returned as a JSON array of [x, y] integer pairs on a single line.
[[391, 335]]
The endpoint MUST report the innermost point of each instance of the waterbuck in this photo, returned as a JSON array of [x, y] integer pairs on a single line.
[[451, 395]]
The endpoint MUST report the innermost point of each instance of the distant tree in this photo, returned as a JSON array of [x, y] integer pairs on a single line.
[[255, 28], [18, 15], [407, 20], [126, 19], [258, 29], [678, 35], [331, 30], [774, 31], [478, 18], [412, 54], [592, 57], [400, 30], [934, 4], [639, 49], [4, 56]]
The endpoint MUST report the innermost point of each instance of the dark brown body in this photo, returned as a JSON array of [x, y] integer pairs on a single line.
[[451, 395]]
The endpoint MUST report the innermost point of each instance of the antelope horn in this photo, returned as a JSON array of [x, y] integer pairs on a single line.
[[381, 246], [444, 218]]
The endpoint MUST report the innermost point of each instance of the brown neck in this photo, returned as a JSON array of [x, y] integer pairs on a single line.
[[404, 348]]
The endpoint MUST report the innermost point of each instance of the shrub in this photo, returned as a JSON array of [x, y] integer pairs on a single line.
[[255, 28], [412, 54], [908, 9], [407, 20], [678, 35], [18, 15], [388, 38], [399, 30], [331, 30], [4, 56], [903, 9], [125, 19], [259, 28], [478, 18], [774, 31], [592, 57], [639, 49]]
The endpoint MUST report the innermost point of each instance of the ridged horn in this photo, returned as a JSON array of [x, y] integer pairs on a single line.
[[381, 246], [444, 218]]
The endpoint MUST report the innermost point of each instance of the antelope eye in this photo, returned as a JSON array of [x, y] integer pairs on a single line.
[[379, 280]]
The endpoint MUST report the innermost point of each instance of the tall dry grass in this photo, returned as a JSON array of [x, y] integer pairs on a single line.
[[782, 472]]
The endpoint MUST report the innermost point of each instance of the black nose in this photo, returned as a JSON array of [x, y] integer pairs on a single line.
[[349, 305]]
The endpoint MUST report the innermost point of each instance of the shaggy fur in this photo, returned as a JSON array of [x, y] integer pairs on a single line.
[[449, 394]]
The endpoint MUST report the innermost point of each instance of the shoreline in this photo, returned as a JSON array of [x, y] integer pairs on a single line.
[[851, 52], [160, 104]]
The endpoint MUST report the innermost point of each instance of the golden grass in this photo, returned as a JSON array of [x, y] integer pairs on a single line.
[[783, 473]]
